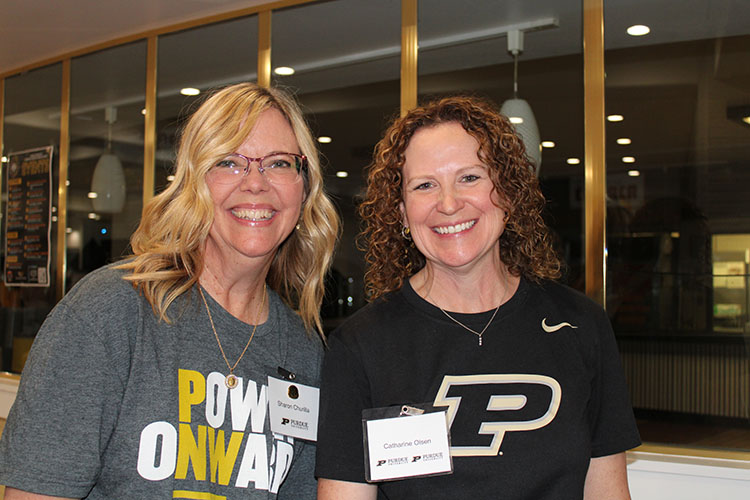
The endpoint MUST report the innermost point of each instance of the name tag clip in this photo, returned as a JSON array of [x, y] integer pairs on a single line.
[[407, 410]]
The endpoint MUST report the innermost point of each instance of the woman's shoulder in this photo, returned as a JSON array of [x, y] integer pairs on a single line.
[[378, 314], [291, 324], [102, 288], [563, 296], [556, 290]]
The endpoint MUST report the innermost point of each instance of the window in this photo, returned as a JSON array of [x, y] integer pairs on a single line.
[[678, 230], [31, 121]]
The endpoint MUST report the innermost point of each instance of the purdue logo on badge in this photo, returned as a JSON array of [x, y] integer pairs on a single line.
[[293, 392]]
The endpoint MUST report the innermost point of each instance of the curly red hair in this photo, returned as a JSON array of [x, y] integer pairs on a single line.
[[525, 245]]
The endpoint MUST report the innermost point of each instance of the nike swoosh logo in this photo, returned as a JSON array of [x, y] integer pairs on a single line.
[[553, 328]]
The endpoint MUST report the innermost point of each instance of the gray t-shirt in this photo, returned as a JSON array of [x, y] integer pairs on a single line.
[[115, 404]]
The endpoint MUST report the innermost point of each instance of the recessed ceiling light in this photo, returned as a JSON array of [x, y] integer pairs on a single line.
[[284, 71], [170, 178], [92, 215], [628, 159], [548, 144], [342, 174], [615, 118], [573, 161], [634, 173], [92, 195], [745, 119], [190, 91], [68, 230], [5, 159], [324, 139], [623, 141], [638, 30], [143, 111], [516, 120]]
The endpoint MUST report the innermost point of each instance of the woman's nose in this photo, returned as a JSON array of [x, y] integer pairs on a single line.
[[254, 180], [450, 201]]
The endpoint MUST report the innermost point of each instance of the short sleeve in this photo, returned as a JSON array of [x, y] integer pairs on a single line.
[[344, 393], [300, 483], [613, 427], [64, 412]]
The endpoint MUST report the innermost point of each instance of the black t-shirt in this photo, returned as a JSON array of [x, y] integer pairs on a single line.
[[550, 349]]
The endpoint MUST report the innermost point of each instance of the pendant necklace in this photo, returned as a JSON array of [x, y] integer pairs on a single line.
[[231, 380], [479, 334]]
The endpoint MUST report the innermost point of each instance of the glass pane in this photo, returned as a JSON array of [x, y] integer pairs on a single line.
[[31, 121], [201, 59], [348, 92], [678, 218], [464, 48], [106, 156]]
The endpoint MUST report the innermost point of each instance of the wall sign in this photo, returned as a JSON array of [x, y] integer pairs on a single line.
[[27, 220]]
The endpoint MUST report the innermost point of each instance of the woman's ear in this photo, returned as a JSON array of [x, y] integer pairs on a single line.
[[404, 221]]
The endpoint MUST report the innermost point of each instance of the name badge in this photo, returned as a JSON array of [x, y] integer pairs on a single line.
[[293, 409], [410, 445]]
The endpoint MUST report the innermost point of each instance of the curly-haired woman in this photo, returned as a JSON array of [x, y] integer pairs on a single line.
[[150, 379], [465, 318]]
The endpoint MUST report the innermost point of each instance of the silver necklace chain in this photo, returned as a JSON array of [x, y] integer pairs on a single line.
[[479, 334]]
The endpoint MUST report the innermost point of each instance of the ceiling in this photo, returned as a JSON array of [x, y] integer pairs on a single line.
[[37, 30]]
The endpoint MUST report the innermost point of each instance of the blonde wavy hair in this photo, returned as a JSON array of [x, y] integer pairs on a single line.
[[525, 245], [169, 242]]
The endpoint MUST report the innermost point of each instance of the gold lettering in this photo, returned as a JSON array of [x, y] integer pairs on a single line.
[[221, 460], [192, 391], [190, 451]]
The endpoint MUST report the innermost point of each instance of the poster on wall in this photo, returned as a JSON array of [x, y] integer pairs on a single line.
[[28, 181]]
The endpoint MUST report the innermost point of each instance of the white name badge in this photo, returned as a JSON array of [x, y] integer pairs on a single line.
[[407, 446], [293, 409]]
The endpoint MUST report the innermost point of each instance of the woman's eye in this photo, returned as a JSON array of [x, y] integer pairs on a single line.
[[226, 164], [470, 178], [280, 164], [422, 186]]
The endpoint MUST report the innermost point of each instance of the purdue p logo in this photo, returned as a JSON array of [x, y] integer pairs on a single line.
[[522, 402]]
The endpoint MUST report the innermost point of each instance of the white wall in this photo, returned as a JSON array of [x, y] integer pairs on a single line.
[[659, 476]]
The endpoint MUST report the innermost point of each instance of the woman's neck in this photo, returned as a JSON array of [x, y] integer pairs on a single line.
[[471, 292], [239, 293]]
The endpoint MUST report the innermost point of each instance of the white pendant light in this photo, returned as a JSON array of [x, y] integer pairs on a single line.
[[519, 111], [108, 181]]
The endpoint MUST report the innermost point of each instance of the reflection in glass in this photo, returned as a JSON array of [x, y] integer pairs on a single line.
[[677, 219], [106, 156], [31, 121]]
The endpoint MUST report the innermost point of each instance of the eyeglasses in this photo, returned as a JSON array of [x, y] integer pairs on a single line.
[[279, 168]]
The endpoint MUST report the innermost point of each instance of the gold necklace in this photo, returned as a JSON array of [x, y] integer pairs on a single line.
[[479, 334], [231, 380]]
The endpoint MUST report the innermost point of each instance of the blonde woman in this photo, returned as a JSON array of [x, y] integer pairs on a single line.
[[149, 379]]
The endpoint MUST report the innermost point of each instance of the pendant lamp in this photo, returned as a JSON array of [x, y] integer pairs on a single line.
[[519, 111], [108, 181]]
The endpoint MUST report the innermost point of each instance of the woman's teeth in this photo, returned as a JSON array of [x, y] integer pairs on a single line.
[[252, 214], [454, 229]]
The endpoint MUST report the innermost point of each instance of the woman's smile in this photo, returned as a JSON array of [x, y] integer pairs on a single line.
[[456, 228]]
